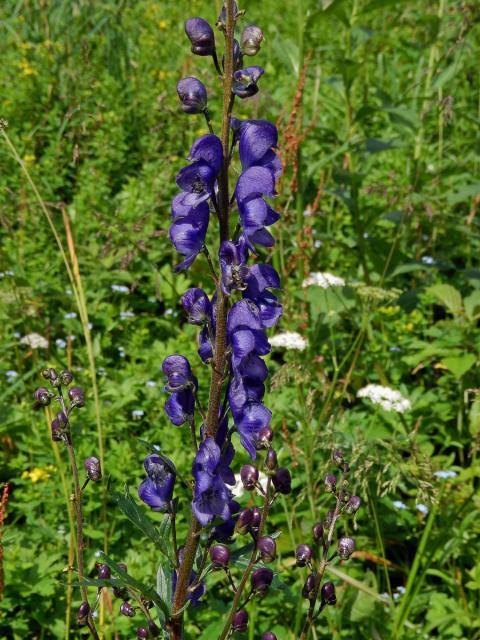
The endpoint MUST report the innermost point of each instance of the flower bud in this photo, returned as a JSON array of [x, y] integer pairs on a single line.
[[222, 18], [271, 459], [104, 572], [83, 613], [92, 469], [269, 635], [192, 94], [76, 396], [329, 519], [153, 629], [46, 373], [142, 633], [303, 554], [240, 621], [353, 504], [308, 590], [220, 556], [265, 437], [282, 481], [345, 547], [267, 548], [42, 396], [251, 40], [245, 81], [51, 374], [317, 531], [62, 418], [66, 377], [201, 35], [260, 580], [330, 483], [127, 610], [256, 519], [56, 430], [244, 521], [249, 476], [328, 593], [337, 457], [121, 593]]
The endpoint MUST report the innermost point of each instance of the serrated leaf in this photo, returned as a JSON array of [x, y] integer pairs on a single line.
[[139, 518], [448, 297], [459, 365]]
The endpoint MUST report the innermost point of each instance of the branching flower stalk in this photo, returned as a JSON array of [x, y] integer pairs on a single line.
[[61, 432]]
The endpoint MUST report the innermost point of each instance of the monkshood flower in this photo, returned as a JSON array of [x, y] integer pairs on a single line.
[[260, 278], [157, 489], [196, 305], [245, 331], [198, 179], [255, 214], [251, 40], [245, 81], [212, 498], [187, 233], [388, 399], [233, 258], [201, 35], [195, 595], [182, 384], [222, 18], [258, 140], [192, 94]]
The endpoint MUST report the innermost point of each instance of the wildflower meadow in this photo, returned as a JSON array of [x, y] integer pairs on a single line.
[[240, 304]]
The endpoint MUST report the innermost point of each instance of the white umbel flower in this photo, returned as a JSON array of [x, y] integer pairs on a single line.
[[387, 398], [324, 280], [289, 340], [35, 341]]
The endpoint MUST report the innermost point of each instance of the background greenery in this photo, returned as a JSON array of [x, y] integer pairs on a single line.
[[382, 187]]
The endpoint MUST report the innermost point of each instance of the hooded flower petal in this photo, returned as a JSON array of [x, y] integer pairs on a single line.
[[209, 149], [188, 234]]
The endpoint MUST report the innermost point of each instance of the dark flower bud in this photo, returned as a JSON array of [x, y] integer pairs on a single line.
[[249, 476], [329, 519], [245, 81], [265, 437], [308, 590], [337, 457], [142, 633], [51, 374], [76, 396], [237, 56], [269, 635], [62, 418], [46, 374], [317, 531], [260, 580], [121, 593], [66, 377], [222, 18], [192, 94], [104, 572], [345, 547], [220, 556], [256, 519], [240, 621], [83, 613], [353, 504], [93, 469], [201, 35], [56, 430], [153, 629], [330, 483], [282, 481], [267, 548], [251, 40], [244, 521], [127, 610], [303, 554], [271, 459], [328, 593], [197, 305], [42, 396]]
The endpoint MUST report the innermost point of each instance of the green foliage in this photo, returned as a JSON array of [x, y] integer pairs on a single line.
[[385, 195]]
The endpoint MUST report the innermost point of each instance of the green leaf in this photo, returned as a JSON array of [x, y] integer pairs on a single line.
[[459, 365], [448, 297], [472, 305], [364, 605], [139, 518], [164, 582]]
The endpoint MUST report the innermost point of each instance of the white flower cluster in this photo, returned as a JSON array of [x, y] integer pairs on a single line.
[[387, 398], [289, 340], [324, 280], [35, 341]]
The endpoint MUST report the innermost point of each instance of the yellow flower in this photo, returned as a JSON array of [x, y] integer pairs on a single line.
[[29, 158], [26, 68], [36, 474], [409, 326], [163, 24], [162, 75]]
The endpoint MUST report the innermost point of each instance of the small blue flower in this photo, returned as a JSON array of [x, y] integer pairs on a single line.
[[70, 316], [11, 375], [120, 288], [61, 344], [137, 414], [398, 504], [445, 475], [422, 508]]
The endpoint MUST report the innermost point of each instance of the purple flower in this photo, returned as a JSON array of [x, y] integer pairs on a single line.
[[261, 277], [187, 233], [252, 37], [192, 94], [198, 178], [258, 141], [233, 257], [197, 306], [255, 214], [180, 406], [195, 595], [211, 496], [201, 35], [157, 489], [245, 81]]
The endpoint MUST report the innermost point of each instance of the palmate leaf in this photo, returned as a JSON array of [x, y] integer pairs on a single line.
[[160, 536]]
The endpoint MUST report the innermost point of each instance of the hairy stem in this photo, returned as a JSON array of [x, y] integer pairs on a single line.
[[220, 356]]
